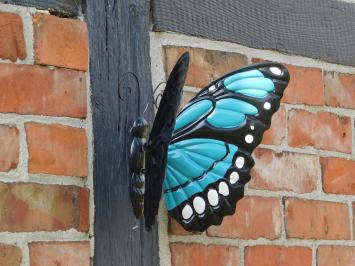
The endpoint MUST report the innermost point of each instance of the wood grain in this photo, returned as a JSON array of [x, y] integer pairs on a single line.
[[119, 44], [323, 29]]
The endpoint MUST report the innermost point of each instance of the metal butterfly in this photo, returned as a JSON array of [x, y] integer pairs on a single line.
[[201, 158]]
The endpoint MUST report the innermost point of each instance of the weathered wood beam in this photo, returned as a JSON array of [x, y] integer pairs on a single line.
[[119, 52]]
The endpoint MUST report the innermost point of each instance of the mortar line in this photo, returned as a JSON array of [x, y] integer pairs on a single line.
[[319, 177], [191, 89], [45, 179], [28, 31], [236, 242], [284, 142], [178, 39], [282, 214], [249, 59], [22, 166], [7, 118], [318, 108], [242, 254], [314, 254], [307, 150], [351, 219], [25, 250], [163, 236], [10, 178], [90, 158], [328, 197], [35, 236]]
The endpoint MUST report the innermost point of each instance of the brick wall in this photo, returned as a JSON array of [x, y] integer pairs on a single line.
[[298, 208], [45, 139]]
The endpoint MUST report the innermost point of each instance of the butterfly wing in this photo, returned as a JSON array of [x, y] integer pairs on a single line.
[[209, 158], [160, 137]]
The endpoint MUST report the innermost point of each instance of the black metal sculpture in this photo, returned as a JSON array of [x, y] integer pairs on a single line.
[[202, 159], [159, 139]]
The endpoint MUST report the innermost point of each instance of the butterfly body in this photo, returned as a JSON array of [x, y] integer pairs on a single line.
[[139, 131]]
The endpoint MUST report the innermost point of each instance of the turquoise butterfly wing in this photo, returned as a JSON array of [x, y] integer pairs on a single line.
[[209, 158]]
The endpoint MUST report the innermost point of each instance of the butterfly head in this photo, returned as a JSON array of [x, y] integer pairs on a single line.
[[140, 128]]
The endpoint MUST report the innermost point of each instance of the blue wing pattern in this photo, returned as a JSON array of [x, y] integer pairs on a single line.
[[208, 161], [209, 158]]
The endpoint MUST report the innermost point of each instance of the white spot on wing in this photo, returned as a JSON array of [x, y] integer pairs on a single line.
[[252, 127], [212, 88], [267, 106], [212, 196], [234, 177], [239, 162], [223, 189], [186, 212], [276, 70], [249, 138], [199, 205]]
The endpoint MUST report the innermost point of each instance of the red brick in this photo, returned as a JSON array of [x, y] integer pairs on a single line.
[[339, 89], [10, 255], [278, 255], [277, 132], [201, 255], [205, 65], [28, 207], [9, 148], [38, 90], [12, 40], [255, 217], [321, 130], [176, 229], [83, 212], [60, 42], [284, 171], [335, 255], [60, 253], [306, 85], [316, 219], [186, 97], [56, 149], [338, 175]]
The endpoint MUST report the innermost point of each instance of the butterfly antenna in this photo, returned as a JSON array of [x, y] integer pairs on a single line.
[[159, 95]]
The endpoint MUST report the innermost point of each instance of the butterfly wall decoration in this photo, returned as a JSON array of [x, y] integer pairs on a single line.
[[201, 158]]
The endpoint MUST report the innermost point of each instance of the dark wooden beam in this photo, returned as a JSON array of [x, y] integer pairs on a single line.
[[119, 51], [63, 7], [323, 29]]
